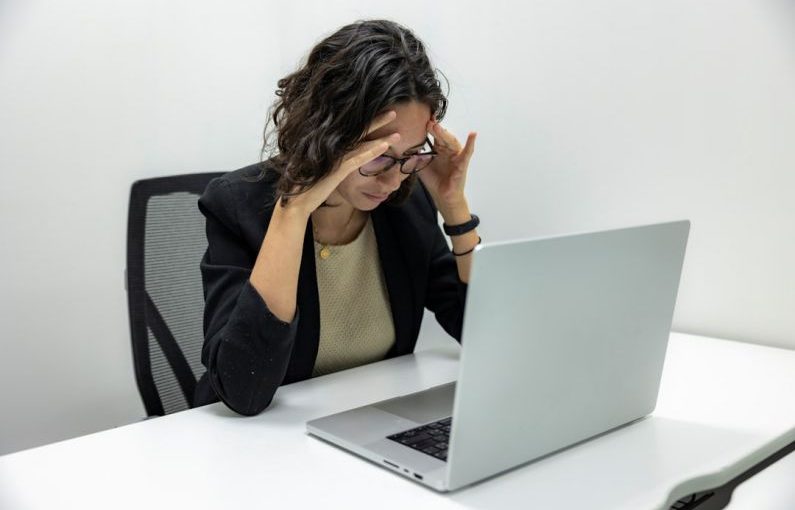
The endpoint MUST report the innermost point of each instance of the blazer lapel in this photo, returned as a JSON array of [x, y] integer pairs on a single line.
[[397, 284], [308, 335]]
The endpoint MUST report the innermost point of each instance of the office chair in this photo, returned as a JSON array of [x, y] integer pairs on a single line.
[[165, 242]]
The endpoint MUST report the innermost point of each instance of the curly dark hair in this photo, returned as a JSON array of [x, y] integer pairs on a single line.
[[324, 108]]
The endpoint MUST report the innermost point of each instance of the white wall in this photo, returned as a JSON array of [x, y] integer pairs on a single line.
[[589, 115], [95, 95]]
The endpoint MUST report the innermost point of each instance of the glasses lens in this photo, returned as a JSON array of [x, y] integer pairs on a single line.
[[376, 166], [417, 163]]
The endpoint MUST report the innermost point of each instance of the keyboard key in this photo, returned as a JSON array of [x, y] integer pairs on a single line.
[[431, 439], [423, 444], [419, 438]]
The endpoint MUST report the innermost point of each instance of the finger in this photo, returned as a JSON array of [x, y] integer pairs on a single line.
[[469, 148], [367, 152], [447, 139], [462, 158], [381, 120]]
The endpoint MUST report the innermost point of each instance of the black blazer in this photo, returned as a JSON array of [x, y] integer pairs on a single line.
[[248, 352]]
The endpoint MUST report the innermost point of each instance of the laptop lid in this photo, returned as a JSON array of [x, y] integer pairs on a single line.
[[564, 338]]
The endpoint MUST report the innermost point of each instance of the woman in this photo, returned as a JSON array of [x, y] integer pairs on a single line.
[[323, 257]]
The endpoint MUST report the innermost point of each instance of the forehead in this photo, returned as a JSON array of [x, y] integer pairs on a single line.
[[411, 121]]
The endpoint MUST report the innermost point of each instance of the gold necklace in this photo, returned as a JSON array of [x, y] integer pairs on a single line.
[[325, 251]]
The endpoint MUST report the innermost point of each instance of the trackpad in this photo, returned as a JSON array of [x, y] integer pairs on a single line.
[[424, 406]]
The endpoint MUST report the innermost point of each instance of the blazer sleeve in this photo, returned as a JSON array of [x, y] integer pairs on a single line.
[[246, 348], [445, 293]]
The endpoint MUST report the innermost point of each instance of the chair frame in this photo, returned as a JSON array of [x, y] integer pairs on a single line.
[[142, 310]]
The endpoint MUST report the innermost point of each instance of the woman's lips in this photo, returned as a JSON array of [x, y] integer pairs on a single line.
[[376, 198]]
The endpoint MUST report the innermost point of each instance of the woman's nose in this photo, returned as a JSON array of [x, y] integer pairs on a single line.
[[392, 177]]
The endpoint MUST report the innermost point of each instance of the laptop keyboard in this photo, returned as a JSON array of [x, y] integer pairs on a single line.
[[431, 439]]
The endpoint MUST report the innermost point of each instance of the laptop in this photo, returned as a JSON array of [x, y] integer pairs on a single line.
[[564, 339]]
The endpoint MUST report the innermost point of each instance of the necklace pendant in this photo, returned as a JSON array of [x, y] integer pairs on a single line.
[[325, 252]]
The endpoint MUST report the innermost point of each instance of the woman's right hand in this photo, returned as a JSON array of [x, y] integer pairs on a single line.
[[365, 152]]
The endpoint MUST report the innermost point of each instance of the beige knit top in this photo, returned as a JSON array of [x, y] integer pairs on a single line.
[[355, 317]]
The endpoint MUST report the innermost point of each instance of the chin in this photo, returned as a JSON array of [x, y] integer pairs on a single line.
[[366, 203]]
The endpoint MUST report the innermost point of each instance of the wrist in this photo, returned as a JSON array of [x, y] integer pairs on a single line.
[[455, 214], [291, 212]]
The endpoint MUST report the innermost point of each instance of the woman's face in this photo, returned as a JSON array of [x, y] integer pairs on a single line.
[[366, 193]]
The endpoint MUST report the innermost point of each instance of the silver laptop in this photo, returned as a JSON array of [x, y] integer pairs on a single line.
[[564, 338]]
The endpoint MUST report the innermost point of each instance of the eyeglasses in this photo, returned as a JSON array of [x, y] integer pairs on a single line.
[[408, 165]]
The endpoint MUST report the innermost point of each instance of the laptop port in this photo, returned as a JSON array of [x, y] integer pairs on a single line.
[[390, 464], [418, 477]]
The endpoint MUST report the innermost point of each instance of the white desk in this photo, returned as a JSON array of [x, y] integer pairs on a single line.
[[723, 407], [772, 489]]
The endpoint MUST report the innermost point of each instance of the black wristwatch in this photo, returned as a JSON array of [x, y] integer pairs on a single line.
[[457, 230]]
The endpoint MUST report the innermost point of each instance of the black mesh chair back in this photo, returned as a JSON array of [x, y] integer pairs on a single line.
[[165, 242]]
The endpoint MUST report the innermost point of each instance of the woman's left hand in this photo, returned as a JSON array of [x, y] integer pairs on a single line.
[[445, 177]]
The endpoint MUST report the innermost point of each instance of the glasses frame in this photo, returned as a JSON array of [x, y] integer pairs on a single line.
[[403, 161]]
